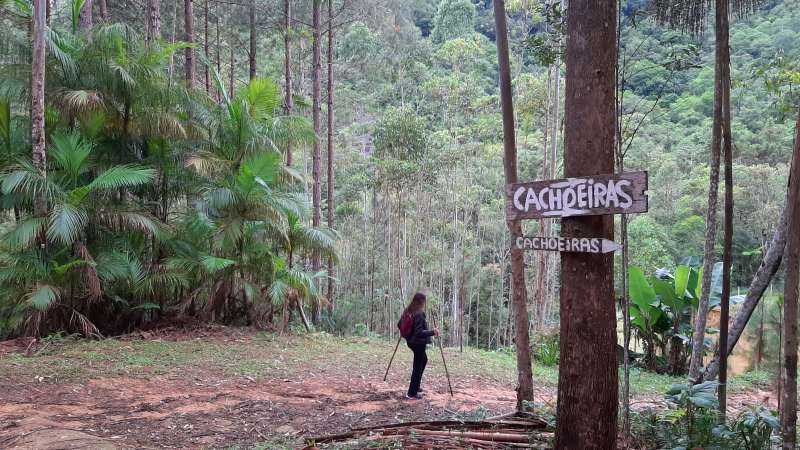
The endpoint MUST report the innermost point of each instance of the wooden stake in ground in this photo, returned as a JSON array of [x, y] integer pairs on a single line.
[[446, 373], [519, 295], [587, 378], [791, 286], [392, 358]]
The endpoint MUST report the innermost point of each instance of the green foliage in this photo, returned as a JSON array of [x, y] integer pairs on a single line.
[[131, 234], [453, 19], [401, 135]]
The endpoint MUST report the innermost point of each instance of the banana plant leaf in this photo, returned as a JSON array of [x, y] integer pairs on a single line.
[[645, 305]]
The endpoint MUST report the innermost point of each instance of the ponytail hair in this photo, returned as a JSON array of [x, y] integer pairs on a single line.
[[416, 305]]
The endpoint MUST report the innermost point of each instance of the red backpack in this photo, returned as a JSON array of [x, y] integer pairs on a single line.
[[406, 325]]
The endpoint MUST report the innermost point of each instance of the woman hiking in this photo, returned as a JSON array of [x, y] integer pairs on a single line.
[[414, 328]]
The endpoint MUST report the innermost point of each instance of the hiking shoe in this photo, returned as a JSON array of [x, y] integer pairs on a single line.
[[413, 397]]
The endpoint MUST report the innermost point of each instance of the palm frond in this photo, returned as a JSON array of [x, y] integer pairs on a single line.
[[66, 223], [70, 152], [25, 232], [42, 297]]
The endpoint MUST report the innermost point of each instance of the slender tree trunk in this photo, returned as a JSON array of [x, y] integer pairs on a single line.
[[153, 32], [173, 36], [218, 51], [331, 154], [316, 159], [727, 251], [287, 65], [587, 404], [231, 80], [85, 16], [39, 153], [103, 10], [188, 28], [519, 294], [206, 68], [789, 373], [698, 338], [253, 49]]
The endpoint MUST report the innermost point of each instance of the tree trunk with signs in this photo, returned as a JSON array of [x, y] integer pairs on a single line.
[[792, 256], [519, 295], [587, 378], [316, 195]]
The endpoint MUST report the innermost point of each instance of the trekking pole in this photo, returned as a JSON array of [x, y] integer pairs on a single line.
[[445, 366], [392, 359]]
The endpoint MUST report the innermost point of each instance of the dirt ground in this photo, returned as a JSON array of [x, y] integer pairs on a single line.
[[234, 388], [203, 406]]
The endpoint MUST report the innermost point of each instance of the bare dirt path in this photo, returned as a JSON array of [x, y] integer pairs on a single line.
[[123, 396]]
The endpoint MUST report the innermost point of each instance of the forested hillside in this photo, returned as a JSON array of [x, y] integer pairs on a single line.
[[425, 209], [163, 202]]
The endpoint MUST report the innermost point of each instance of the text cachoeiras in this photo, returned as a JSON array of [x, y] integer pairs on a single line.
[[578, 196]]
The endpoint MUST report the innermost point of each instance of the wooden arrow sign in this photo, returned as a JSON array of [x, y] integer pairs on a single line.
[[566, 244]]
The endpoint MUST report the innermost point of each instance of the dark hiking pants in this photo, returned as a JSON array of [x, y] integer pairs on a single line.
[[420, 361]]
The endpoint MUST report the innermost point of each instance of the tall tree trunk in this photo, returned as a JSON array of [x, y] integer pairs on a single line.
[[103, 10], [316, 159], [698, 338], [252, 55], [173, 37], [519, 300], [587, 404], [188, 28], [789, 373], [39, 154], [287, 64], [85, 16], [727, 248], [153, 32], [231, 80], [331, 154], [218, 51], [206, 68]]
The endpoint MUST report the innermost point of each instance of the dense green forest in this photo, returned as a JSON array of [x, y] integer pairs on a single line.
[[169, 199]]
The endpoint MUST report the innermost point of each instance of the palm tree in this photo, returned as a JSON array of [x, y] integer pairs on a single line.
[[85, 205]]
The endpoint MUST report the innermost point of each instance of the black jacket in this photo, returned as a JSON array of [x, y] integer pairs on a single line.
[[420, 334]]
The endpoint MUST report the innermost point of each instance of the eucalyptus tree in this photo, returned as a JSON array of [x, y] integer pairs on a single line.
[[519, 293], [691, 16]]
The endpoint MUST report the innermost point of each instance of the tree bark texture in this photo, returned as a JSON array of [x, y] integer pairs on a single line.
[[587, 380], [331, 155], [790, 295], [287, 66], [727, 246], [253, 49], [519, 295], [39, 153], [153, 32], [188, 28], [316, 196], [698, 338]]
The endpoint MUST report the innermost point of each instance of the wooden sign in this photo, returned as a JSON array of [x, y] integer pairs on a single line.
[[623, 193], [566, 244]]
